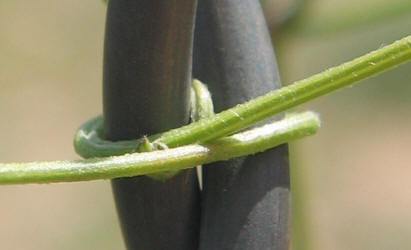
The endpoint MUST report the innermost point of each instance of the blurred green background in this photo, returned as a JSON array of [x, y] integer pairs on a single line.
[[351, 187]]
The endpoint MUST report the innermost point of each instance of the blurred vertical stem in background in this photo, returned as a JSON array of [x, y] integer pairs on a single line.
[[147, 77]]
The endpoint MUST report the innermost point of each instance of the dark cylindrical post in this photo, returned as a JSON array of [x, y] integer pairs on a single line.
[[147, 74], [245, 202]]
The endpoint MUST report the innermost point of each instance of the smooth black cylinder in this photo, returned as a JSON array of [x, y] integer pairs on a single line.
[[246, 201], [147, 66], [146, 80]]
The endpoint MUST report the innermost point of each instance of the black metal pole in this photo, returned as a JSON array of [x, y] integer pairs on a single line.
[[147, 74], [245, 202]]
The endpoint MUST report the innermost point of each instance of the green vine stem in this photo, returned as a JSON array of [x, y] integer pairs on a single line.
[[245, 143], [208, 131], [262, 107]]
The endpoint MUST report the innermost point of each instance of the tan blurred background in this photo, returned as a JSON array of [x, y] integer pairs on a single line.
[[351, 181]]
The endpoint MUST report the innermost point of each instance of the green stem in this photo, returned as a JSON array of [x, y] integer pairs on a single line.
[[260, 108], [245, 143]]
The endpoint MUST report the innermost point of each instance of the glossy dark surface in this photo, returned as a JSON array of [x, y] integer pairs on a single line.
[[245, 202], [147, 56], [147, 73]]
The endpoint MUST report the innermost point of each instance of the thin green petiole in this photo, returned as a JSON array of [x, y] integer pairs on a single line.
[[245, 143], [260, 108]]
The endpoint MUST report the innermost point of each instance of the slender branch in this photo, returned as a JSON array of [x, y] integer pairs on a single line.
[[245, 143], [260, 108]]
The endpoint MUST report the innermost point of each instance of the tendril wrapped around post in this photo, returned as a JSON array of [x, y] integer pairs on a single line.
[[210, 139]]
